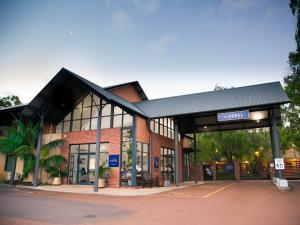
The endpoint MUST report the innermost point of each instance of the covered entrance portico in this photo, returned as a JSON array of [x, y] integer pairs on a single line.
[[248, 107]]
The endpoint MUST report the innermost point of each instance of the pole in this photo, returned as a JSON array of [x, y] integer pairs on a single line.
[[195, 161], [133, 168], [38, 153], [97, 156], [176, 153], [275, 140]]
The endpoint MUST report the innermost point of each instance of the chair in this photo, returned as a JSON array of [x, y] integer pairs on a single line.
[[147, 180]]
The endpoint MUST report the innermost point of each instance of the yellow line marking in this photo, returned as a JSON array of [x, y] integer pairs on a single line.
[[221, 189]]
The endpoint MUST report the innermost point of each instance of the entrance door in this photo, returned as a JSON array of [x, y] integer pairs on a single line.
[[83, 169]]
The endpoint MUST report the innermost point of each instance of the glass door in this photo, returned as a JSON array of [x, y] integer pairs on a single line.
[[83, 169]]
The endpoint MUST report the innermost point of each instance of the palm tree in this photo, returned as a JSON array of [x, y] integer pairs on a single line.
[[15, 142], [21, 141], [30, 158]]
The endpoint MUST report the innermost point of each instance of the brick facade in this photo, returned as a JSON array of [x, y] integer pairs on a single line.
[[113, 137], [126, 92]]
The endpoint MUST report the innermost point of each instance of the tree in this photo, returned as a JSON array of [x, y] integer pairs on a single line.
[[230, 145], [291, 112], [8, 101], [21, 142], [16, 142]]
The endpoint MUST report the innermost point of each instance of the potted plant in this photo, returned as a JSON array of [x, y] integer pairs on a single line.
[[54, 167], [103, 170]]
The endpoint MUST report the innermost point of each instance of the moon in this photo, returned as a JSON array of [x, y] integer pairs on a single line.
[[71, 32]]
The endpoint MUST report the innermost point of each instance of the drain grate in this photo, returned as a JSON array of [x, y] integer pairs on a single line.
[[89, 216]]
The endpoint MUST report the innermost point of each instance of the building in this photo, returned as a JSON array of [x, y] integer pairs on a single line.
[[136, 135]]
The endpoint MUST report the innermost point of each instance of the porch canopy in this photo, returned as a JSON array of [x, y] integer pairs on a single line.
[[229, 109], [199, 112]]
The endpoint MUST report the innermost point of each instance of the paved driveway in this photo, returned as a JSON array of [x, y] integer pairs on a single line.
[[240, 203]]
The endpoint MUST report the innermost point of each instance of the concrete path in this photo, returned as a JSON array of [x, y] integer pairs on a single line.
[[124, 191], [213, 203]]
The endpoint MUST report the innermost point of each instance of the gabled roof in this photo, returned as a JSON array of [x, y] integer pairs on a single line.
[[221, 100], [8, 114], [64, 89], [136, 86]]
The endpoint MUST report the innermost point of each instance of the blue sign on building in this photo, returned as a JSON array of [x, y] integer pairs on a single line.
[[113, 160], [229, 116]]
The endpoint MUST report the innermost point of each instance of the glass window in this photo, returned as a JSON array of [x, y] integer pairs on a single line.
[[85, 124], [76, 125], [77, 114], [127, 120], [156, 128], [66, 126], [105, 122], [86, 113], [87, 101], [117, 110], [79, 105], [161, 129], [118, 121], [165, 131], [96, 100], [106, 110], [68, 117], [152, 125], [59, 127], [95, 111], [84, 148], [9, 163], [93, 148], [94, 124]]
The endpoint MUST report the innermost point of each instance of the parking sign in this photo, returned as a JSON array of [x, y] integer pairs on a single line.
[[279, 163]]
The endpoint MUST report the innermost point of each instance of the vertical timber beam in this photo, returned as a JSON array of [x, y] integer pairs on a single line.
[[195, 161], [38, 153], [176, 153], [97, 156], [275, 142], [133, 170]]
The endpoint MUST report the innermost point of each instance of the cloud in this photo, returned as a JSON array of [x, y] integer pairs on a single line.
[[122, 22], [158, 47], [239, 4], [147, 6]]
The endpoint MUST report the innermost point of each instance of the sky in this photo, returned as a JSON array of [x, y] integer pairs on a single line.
[[171, 47]]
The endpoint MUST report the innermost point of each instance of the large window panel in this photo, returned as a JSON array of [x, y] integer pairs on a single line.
[[86, 113], [106, 110], [118, 121], [77, 114], [84, 116], [127, 120], [105, 122], [85, 124], [67, 126], [76, 125]]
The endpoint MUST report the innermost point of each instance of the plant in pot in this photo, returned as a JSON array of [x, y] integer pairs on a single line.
[[103, 170], [54, 167]]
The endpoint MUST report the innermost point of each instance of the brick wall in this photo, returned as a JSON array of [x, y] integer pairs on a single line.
[[142, 131], [126, 92], [157, 142], [113, 136]]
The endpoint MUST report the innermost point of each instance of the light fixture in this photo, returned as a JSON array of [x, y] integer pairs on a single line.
[[205, 127], [257, 121]]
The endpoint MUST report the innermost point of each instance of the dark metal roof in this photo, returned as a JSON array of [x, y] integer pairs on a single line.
[[221, 100], [136, 86], [62, 93], [8, 114]]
